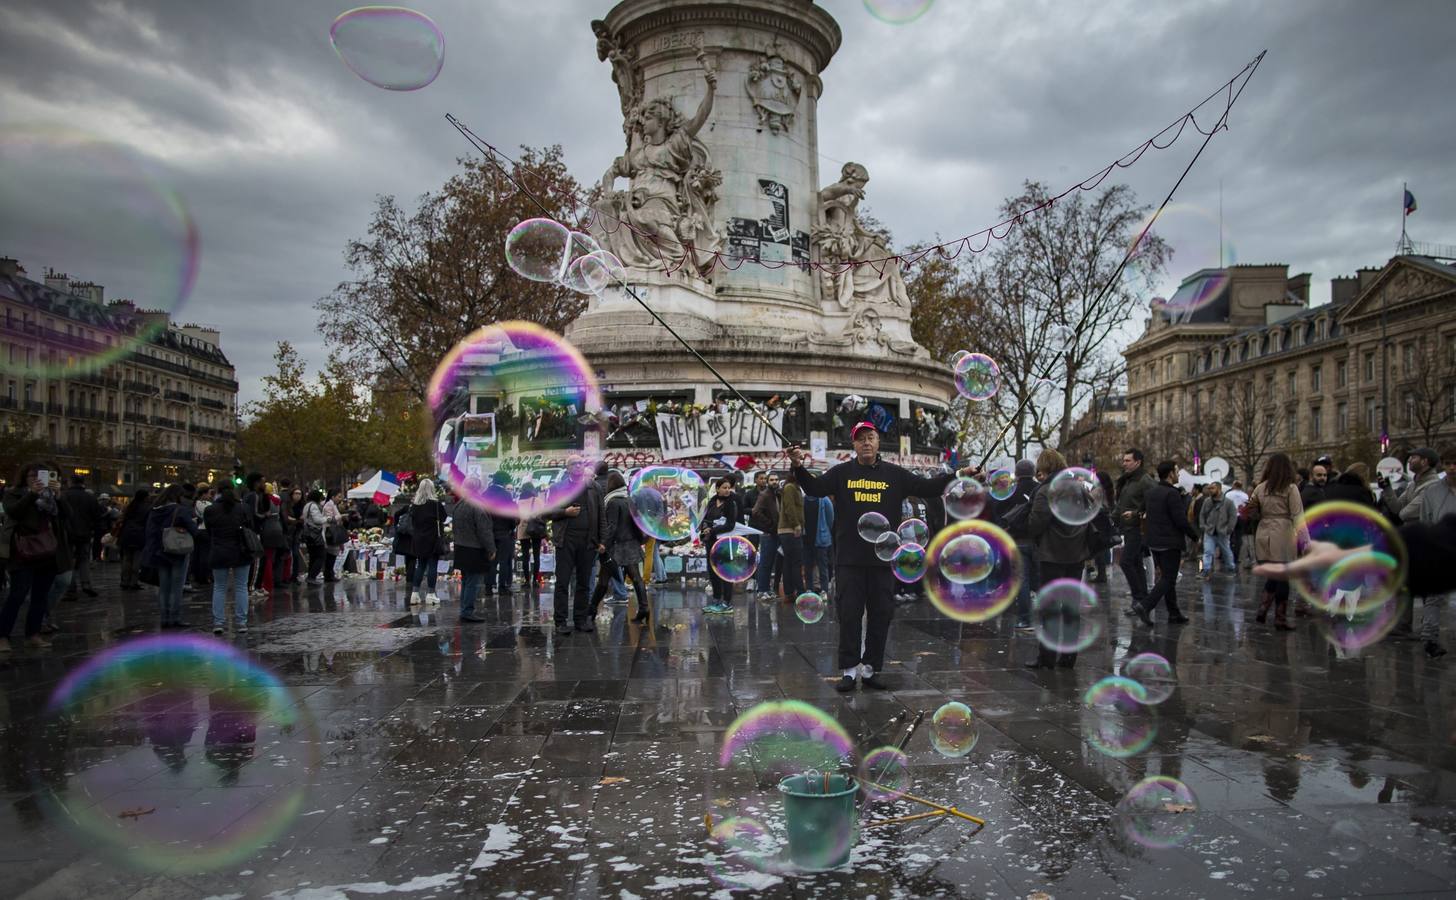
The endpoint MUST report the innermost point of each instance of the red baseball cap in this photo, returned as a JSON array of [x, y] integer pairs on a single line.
[[861, 426]]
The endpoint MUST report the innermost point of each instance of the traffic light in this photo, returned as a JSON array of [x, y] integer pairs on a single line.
[[237, 476]]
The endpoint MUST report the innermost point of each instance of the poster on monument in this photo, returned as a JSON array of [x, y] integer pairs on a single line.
[[736, 431]]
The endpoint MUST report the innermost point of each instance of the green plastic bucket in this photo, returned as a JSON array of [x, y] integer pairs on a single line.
[[821, 823]]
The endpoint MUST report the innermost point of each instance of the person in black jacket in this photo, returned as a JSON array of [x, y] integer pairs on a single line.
[[85, 513], [576, 534], [503, 534], [1167, 527], [624, 545], [720, 517], [228, 558], [133, 537], [171, 513], [863, 580], [1352, 486], [427, 526], [38, 550], [997, 511]]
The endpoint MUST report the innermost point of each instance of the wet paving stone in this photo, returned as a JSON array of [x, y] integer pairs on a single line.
[[427, 758]]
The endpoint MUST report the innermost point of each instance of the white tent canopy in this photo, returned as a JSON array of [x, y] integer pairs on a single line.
[[366, 490]]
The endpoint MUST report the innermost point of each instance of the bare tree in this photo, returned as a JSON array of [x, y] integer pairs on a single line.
[[1248, 426], [1428, 387]]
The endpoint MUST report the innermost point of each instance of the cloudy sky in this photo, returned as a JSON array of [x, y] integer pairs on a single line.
[[279, 150]]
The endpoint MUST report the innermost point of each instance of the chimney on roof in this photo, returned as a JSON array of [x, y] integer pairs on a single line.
[[1343, 289], [58, 281], [1367, 277], [203, 333], [11, 268], [1299, 287], [89, 290]]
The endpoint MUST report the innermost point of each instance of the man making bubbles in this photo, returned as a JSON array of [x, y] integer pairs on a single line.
[[865, 584]]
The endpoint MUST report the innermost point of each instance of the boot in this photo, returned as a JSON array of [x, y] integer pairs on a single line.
[[1264, 604], [1281, 616], [641, 617]]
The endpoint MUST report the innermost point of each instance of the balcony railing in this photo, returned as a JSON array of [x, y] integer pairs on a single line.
[[138, 418], [140, 387], [53, 408], [33, 406], [85, 412], [180, 396], [165, 422], [9, 403], [208, 403]]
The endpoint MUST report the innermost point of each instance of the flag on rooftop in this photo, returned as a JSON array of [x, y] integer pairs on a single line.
[[1410, 203]]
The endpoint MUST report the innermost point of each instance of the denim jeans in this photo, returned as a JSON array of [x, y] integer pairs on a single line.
[[1220, 543], [768, 552], [427, 571], [817, 567], [470, 588], [237, 577], [171, 573], [505, 557], [27, 580]]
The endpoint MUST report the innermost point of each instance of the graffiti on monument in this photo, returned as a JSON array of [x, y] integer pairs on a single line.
[[770, 237]]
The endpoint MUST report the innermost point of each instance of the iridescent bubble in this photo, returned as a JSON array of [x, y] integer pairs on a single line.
[[744, 848], [953, 730], [967, 559], [594, 273], [539, 249], [1365, 580], [809, 607], [908, 563], [957, 356], [872, 525], [1064, 616], [885, 774], [1351, 632], [913, 531], [503, 398], [391, 47], [886, 545], [1157, 813], [1199, 246], [1075, 496], [198, 713], [1155, 674], [1001, 483], [733, 558], [104, 212], [664, 501], [1120, 724], [981, 599], [964, 498], [977, 377], [898, 12]]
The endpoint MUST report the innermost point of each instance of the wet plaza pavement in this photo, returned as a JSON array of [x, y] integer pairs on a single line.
[[425, 758]]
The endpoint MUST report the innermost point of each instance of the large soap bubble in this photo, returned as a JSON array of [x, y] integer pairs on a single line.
[[964, 498], [1365, 580], [1158, 812], [733, 558], [391, 47], [666, 501], [1155, 674], [1075, 496], [1120, 724], [872, 524], [1064, 616], [975, 599], [953, 729]]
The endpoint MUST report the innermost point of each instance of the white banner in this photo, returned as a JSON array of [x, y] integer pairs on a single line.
[[729, 432]]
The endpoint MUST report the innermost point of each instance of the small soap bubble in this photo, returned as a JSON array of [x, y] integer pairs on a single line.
[[964, 498], [897, 12], [886, 545], [885, 774], [908, 563], [1075, 496], [953, 729], [977, 377], [1001, 483], [872, 525], [913, 531], [539, 249], [1120, 725], [1155, 674], [733, 558], [1064, 616], [809, 607], [1157, 813]]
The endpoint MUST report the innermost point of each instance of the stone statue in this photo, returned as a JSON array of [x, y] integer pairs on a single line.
[[842, 237], [774, 90], [624, 69], [666, 216]]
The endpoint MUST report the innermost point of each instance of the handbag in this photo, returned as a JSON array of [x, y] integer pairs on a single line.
[[177, 541], [336, 535], [251, 542], [35, 547]]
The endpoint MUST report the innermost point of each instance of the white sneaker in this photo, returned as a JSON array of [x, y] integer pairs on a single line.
[[432, 599]]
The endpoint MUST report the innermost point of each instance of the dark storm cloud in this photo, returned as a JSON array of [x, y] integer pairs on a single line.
[[280, 151]]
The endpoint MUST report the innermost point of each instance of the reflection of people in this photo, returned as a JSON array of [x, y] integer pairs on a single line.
[[232, 730], [169, 719]]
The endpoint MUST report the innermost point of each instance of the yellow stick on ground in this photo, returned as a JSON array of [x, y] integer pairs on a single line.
[[948, 810], [910, 818]]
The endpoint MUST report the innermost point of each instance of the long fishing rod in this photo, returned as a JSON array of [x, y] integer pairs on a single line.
[[483, 148], [1221, 125]]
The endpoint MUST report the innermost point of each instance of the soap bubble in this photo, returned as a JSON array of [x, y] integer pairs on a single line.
[[1120, 726], [886, 545], [1001, 483], [964, 498], [390, 47], [1155, 674], [981, 599], [665, 501], [885, 774], [1064, 616], [953, 730], [1353, 631], [502, 398], [594, 272], [967, 559], [908, 563], [733, 558], [809, 607], [745, 847], [977, 377], [872, 525], [913, 531], [1365, 580], [1075, 496], [539, 249], [199, 713], [1197, 239], [957, 356], [897, 12], [74, 198], [1347, 840], [1157, 813]]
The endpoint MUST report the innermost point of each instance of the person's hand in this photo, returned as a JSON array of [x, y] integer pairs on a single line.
[[492, 556], [1318, 557], [601, 548], [970, 472], [36, 486], [1129, 515], [796, 456], [572, 511]]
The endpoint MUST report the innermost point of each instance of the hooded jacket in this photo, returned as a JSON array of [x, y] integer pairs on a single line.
[[1132, 497]]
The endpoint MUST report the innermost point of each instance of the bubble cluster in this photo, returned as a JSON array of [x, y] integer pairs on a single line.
[[886, 545], [885, 773], [1121, 725], [1064, 616], [666, 501], [964, 498], [1075, 496], [898, 12], [733, 558], [809, 607], [976, 599], [502, 398], [967, 559], [1363, 581], [977, 377], [209, 715], [872, 525], [1001, 484], [1155, 674], [908, 563], [71, 196], [1157, 812], [953, 729], [391, 47], [913, 531]]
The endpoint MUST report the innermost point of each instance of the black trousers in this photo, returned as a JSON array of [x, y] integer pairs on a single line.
[[1165, 591], [1132, 565], [1048, 572], [864, 590], [793, 564], [574, 561]]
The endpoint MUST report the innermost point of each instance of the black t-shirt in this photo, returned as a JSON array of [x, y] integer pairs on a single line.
[[857, 489]]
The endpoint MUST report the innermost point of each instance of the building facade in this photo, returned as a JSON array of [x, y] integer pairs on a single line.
[[120, 394], [1256, 370]]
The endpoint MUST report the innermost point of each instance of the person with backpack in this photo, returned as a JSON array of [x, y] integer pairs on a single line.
[[1060, 549], [1011, 515], [228, 558], [1168, 526], [623, 540], [171, 536], [35, 550]]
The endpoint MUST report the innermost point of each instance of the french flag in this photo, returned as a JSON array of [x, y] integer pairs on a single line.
[[1410, 203], [386, 489], [740, 463]]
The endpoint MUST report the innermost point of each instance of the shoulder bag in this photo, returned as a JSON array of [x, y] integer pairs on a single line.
[[252, 543], [36, 547], [177, 541]]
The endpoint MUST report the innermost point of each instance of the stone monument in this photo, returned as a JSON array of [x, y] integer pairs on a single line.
[[715, 208]]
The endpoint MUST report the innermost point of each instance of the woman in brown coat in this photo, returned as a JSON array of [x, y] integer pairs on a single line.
[[1275, 501]]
